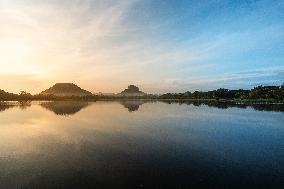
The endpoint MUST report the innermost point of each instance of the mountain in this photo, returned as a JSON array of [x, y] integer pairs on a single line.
[[132, 90], [66, 89]]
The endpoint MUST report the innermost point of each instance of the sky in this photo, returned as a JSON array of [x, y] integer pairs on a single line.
[[159, 45]]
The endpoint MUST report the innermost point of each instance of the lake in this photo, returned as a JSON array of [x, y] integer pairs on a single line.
[[138, 144]]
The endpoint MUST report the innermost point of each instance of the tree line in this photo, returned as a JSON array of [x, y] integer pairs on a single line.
[[258, 93]]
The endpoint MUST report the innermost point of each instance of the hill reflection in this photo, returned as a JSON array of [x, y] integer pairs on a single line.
[[72, 107], [64, 107], [132, 105]]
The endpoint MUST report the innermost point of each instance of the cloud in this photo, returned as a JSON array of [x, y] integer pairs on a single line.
[[106, 45], [245, 79]]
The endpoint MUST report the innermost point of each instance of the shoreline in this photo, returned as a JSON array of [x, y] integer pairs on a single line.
[[234, 101]]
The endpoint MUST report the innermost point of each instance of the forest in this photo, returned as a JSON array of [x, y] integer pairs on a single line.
[[259, 92]]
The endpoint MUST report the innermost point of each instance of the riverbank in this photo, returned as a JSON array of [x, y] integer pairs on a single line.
[[238, 101]]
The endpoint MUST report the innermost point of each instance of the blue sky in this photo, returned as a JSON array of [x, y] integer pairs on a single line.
[[159, 45]]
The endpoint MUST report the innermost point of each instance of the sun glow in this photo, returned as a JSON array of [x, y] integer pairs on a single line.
[[15, 56], [107, 45]]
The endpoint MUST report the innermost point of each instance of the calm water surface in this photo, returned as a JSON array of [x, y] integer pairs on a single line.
[[133, 144]]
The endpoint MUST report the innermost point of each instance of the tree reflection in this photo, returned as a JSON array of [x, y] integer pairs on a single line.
[[5, 106], [229, 104], [72, 107], [8, 105]]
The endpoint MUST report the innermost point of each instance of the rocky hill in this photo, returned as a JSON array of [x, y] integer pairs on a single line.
[[66, 89], [132, 90]]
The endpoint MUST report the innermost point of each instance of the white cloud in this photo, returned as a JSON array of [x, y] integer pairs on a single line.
[[94, 44]]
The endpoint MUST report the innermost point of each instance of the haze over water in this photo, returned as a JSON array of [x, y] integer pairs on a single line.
[[132, 144]]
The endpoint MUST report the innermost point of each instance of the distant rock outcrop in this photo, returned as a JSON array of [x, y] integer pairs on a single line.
[[66, 89], [132, 90]]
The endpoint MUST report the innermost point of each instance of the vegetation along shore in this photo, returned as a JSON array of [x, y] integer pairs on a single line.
[[70, 91]]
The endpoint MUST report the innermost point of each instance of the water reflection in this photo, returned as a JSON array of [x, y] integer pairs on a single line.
[[73, 107], [4, 106], [228, 104], [12, 104], [24, 104], [64, 107], [159, 146], [132, 105]]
